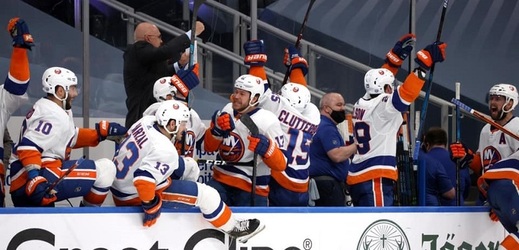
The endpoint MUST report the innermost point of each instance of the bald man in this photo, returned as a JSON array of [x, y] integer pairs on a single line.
[[329, 156], [147, 60]]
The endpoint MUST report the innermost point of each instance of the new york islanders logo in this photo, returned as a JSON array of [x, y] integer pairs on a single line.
[[490, 155], [232, 148]]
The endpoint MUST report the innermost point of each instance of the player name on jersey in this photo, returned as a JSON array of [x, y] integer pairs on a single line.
[[296, 122]]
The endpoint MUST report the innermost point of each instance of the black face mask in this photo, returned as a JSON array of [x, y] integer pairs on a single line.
[[338, 116]]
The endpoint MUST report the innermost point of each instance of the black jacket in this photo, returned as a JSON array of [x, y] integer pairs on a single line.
[[143, 65]]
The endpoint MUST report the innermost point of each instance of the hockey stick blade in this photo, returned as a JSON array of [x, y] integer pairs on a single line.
[[299, 37], [484, 118], [69, 170], [254, 131]]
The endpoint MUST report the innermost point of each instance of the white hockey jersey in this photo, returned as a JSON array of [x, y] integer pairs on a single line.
[[145, 149], [299, 130], [235, 149], [376, 123], [494, 145]]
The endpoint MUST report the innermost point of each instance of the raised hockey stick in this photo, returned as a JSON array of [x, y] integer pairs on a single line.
[[196, 6], [299, 37], [429, 87], [458, 138], [254, 131], [69, 170], [484, 118]]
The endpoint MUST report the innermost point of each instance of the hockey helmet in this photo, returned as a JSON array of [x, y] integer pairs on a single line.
[[253, 84], [162, 88], [298, 95], [58, 76], [508, 91], [376, 79], [172, 110]]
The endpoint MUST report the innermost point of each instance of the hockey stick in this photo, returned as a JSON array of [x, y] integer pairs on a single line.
[[299, 37], [196, 6], [429, 87], [215, 162], [69, 170], [458, 138], [254, 131], [484, 118]]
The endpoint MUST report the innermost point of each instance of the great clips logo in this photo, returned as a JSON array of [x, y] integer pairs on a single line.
[[47, 239]]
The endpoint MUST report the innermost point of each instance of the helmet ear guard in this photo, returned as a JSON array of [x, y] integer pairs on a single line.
[[376, 79], [298, 95], [172, 110], [508, 91]]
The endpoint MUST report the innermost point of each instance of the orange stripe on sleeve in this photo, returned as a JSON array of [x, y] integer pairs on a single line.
[[258, 71], [211, 143], [145, 189], [276, 161], [410, 90], [19, 66], [475, 165], [296, 76], [28, 157], [393, 70], [87, 138]]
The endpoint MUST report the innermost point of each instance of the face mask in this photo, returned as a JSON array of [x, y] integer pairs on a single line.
[[338, 116]]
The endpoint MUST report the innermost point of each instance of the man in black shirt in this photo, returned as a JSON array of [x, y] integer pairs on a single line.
[[145, 61]]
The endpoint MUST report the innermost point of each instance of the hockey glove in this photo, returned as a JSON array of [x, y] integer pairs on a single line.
[[20, 33], [432, 53], [186, 80], [255, 53], [221, 124], [294, 59], [261, 145], [152, 210], [458, 150], [110, 130], [36, 191], [396, 56]]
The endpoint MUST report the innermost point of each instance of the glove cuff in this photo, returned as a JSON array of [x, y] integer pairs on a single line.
[[180, 85], [255, 59], [393, 60]]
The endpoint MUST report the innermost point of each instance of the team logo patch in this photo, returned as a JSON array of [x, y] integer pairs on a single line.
[[162, 81], [232, 148], [175, 106], [57, 71], [295, 89]]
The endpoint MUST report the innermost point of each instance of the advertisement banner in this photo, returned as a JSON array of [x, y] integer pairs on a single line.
[[286, 229]]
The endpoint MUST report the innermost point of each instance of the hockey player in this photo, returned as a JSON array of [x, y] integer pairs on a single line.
[[494, 145], [13, 91], [377, 118], [164, 89], [41, 156], [298, 117], [147, 162], [230, 137], [499, 185]]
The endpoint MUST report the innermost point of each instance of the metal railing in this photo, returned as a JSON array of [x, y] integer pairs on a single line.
[[241, 23]]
